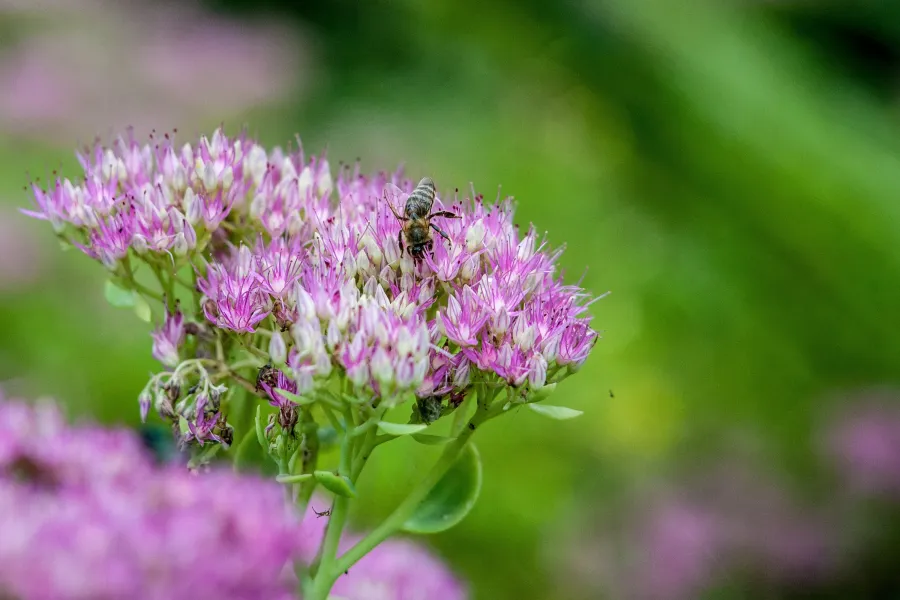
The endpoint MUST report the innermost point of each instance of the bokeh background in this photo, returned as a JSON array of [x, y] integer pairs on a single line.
[[730, 170]]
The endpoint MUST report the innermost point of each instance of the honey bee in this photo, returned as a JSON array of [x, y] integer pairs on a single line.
[[416, 220]]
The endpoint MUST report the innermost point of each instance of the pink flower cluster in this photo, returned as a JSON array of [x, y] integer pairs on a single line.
[[85, 513], [282, 245], [146, 198]]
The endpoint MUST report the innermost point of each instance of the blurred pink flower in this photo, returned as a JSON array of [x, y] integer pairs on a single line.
[[91, 65], [680, 540], [863, 444]]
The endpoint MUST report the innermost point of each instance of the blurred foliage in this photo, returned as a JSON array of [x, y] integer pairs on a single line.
[[729, 170]]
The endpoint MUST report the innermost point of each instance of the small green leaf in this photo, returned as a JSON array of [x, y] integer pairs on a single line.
[[400, 428], [141, 308], [293, 478], [431, 440], [118, 297], [338, 484], [292, 397], [452, 498], [542, 393], [560, 413]]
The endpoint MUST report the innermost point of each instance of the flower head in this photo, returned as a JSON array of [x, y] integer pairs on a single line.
[[281, 246]]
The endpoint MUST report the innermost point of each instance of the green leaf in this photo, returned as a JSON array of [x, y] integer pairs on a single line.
[[400, 428], [431, 440], [452, 498], [560, 413], [338, 484], [541, 394], [141, 308], [118, 297], [292, 397]]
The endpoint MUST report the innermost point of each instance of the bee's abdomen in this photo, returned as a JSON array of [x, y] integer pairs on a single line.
[[420, 200]]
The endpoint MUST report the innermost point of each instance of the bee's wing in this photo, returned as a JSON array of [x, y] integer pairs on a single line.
[[395, 197]]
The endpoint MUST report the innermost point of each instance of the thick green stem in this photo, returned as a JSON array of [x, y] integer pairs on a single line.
[[395, 521], [309, 457]]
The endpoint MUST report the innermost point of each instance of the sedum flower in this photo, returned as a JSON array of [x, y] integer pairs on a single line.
[[86, 513], [282, 245]]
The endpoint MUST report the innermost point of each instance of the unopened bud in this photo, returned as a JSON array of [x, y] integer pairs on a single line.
[[277, 348]]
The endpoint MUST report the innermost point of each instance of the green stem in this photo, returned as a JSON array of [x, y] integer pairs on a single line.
[[167, 284], [391, 525], [309, 457]]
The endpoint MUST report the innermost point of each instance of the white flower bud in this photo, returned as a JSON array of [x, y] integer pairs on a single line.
[[258, 207], [500, 322], [461, 375], [139, 243], [537, 371], [244, 262], [210, 178], [294, 223], [381, 367], [192, 206], [256, 163], [325, 184], [305, 182], [391, 252], [180, 245], [475, 236], [333, 336], [363, 265], [277, 348], [524, 337], [407, 264]]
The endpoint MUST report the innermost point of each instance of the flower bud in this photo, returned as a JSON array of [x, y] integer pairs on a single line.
[[179, 244], [277, 348], [258, 207], [139, 243], [381, 367], [193, 208], [294, 223], [305, 182], [256, 163], [227, 178], [475, 236], [537, 371], [325, 183]]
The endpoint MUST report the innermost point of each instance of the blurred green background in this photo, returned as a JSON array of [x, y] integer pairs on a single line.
[[729, 170]]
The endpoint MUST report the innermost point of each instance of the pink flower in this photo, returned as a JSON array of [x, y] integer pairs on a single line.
[[86, 513], [167, 340]]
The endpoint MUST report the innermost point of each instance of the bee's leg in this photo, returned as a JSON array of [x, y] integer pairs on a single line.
[[438, 229], [400, 241], [445, 213]]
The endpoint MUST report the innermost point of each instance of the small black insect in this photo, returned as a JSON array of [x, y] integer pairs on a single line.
[[324, 513], [611, 395], [268, 375], [416, 219], [429, 409]]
